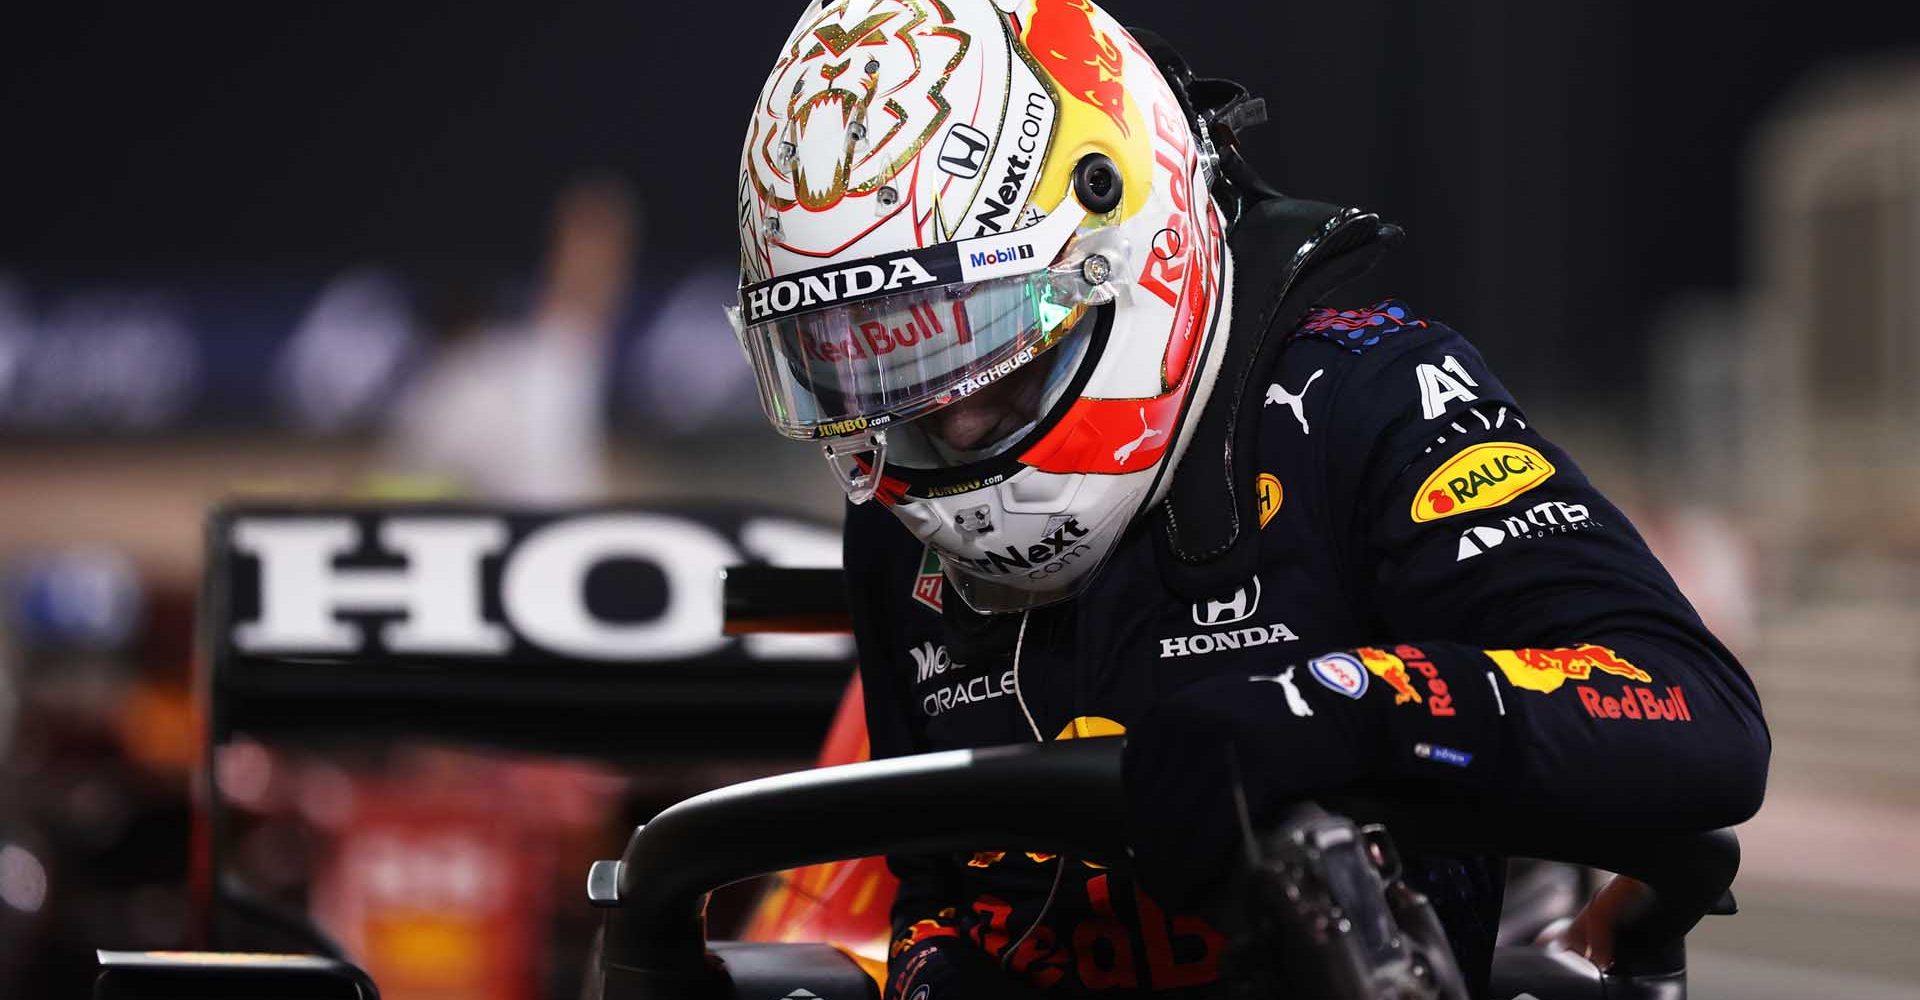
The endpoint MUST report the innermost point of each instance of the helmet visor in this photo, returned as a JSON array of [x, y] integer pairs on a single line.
[[867, 365], [988, 423], [845, 349]]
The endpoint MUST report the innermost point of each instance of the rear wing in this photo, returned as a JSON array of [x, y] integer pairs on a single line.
[[593, 632]]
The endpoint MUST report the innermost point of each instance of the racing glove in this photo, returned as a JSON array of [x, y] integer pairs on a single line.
[[1212, 761], [944, 964]]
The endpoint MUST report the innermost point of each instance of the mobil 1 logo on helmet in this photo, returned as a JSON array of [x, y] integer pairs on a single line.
[[1217, 616]]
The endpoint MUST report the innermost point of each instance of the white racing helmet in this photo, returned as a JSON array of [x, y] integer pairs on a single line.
[[980, 264]]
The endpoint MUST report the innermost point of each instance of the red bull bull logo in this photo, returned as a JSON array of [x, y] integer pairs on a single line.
[[1081, 58], [1398, 668], [1393, 671], [1545, 670]]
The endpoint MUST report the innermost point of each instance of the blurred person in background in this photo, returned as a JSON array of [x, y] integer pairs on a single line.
[[514, 411], [1006, 263]]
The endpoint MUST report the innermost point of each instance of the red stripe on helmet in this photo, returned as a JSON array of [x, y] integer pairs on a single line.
[[1109, 436]]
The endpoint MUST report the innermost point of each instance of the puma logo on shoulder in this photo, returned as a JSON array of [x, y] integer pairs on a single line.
[[1295, 401]]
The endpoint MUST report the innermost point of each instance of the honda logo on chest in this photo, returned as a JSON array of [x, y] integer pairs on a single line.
[[1235, 607]]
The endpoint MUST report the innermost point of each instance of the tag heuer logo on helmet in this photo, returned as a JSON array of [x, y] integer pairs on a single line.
[[929, 584], [831, 285]]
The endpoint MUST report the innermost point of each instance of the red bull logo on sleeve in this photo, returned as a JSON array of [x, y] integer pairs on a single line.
[[1084, 60], [1544, 670], [1398, 668], [1635, 702], [1392, 670]]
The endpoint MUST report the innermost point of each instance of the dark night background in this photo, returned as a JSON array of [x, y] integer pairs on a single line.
[[230, 236], [1562, 168]]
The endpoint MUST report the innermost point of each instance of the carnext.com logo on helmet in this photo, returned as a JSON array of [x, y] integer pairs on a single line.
[[984, 258]]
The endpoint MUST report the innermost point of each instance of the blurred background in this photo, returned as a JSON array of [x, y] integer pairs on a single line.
[[479, 250]]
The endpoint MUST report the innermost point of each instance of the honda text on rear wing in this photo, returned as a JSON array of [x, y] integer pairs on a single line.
[[592, 633]]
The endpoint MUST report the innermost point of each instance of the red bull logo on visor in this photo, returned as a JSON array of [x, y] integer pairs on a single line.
[[1062, 36], [1545, 670]]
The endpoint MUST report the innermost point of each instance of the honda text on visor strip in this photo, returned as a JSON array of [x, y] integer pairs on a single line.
[[845, 350]]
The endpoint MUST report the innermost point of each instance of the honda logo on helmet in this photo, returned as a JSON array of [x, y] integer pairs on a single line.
[[826, 286], [964, 152], [1236, 607]]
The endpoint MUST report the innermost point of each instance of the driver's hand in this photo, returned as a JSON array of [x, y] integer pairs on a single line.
[[950, 968], [1183, 823], [1187, 763]]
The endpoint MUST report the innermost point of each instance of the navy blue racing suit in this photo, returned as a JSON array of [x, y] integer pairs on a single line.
[[1444, 606]]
